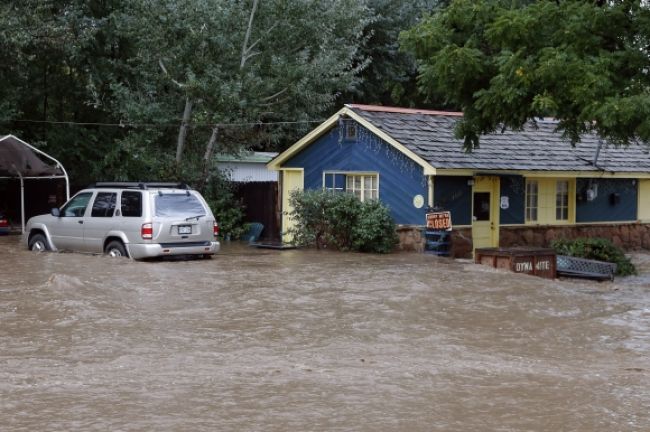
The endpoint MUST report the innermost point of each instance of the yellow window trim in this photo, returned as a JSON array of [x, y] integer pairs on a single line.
[[546, 201]]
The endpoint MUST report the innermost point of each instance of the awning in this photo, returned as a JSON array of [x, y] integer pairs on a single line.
[[21, 160]]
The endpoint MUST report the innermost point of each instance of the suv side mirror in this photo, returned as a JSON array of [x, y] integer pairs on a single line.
[[55, 212]]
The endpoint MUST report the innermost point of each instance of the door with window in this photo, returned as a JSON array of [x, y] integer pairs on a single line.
[[67, 230], [485, 212], [100, 221]]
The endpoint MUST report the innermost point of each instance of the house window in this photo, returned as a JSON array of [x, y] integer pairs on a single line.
[[532, 197], [562, 200], [350, 127], [364, 186]]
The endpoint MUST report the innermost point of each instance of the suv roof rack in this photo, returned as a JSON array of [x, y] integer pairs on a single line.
[[141, 185]]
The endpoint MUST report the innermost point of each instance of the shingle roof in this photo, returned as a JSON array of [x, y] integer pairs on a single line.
[[430, 135]]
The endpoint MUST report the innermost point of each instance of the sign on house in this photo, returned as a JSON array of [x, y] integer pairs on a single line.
[[439, 220]]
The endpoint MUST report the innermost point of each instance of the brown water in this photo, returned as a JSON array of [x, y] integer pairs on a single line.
[[256, 340]]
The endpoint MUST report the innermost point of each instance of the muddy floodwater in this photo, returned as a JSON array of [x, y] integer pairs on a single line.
[[302, 340]]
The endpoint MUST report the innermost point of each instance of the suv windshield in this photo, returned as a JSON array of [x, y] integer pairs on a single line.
[[178, 205]]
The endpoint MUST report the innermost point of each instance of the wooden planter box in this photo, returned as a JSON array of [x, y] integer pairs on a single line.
[[534, 261]]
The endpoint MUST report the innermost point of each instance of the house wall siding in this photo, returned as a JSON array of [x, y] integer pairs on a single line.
[[454, 194], [400, 178], [604, 208]]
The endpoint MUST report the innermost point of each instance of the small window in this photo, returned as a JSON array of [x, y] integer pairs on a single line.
[[562, 200], [532, 196], [104, 204], [334, 182], [482, 206], [131, 204], [350, 130], [76, 207]]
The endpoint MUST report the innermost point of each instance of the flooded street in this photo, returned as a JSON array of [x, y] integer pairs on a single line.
[[262, 340]]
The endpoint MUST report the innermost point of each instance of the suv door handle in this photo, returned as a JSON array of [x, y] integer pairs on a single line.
[[80, 221]]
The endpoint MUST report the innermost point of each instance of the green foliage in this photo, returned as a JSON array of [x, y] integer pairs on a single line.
[[125, 69], [599, 249], [505, 62], [341, 221]]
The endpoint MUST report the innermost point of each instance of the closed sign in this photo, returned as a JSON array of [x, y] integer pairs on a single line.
[[439, 220]]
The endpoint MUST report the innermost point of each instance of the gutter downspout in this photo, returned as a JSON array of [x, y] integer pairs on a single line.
[[600, 144]]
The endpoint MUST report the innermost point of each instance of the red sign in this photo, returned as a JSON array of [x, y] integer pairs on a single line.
[[439, 220]]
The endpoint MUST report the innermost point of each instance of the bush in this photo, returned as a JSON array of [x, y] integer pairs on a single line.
[[599, 249], [341, 221]]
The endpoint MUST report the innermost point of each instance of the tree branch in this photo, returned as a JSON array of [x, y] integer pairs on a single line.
[[245, 49]]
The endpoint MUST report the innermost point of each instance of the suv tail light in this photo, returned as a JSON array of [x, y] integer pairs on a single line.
[[147, 231], [215, 228]]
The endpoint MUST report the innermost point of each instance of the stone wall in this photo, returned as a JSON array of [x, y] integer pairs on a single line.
[[632, 236]]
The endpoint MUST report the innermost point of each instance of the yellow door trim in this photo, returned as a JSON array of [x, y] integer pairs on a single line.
[[291, 179]]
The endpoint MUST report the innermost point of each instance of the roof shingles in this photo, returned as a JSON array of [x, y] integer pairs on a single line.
[[539, 147]]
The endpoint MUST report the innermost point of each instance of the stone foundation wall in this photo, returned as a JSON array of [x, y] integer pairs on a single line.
[[632, 236]]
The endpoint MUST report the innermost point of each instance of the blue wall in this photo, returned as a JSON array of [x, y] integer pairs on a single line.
[[605, 207], [454, 194], [400, 179], [514, 187]]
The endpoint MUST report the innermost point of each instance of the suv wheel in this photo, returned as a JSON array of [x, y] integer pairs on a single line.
[[38, 243], [115, 249]]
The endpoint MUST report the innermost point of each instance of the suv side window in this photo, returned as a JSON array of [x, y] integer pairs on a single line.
[[76, 207], [131, 204], [104, 204]]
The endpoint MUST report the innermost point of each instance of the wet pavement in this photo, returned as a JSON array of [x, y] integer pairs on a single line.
[[305, 340]]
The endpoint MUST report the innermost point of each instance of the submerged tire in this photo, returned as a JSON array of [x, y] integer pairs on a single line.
[[116, 249], [38, 243]]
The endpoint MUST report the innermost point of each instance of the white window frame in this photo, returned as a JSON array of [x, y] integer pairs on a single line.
[[349, 176], [562, 207], [532, 201]]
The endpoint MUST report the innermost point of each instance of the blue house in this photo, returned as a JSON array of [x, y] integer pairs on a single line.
[[523, 187]]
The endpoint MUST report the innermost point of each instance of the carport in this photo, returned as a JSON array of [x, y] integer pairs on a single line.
[[22, 161]]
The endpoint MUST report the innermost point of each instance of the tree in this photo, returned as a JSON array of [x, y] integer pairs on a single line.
[[220, 62], [390, 78], [505, 62]]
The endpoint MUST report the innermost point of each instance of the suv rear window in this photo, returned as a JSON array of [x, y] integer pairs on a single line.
[[178, 205]]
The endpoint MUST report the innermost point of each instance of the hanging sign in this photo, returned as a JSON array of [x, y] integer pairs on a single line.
[[505, 202], [439, 220]]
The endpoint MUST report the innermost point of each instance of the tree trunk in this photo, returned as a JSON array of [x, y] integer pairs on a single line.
[[182, 132], [207, 159], [245, 48]]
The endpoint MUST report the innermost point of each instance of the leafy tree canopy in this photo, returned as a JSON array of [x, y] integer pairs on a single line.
[[505, 62]]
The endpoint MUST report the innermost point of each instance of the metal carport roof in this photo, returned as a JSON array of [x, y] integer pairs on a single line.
[[23, 161]]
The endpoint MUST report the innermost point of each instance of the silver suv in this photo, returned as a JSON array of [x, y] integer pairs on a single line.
[[137, 220]]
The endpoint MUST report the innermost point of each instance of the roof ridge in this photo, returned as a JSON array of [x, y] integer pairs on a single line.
[[388, 109]]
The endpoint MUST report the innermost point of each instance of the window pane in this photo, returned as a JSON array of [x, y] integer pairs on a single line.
[[178, 205], [76, 207], [104, 204], [131, 204], [531, 200], [482, 206]]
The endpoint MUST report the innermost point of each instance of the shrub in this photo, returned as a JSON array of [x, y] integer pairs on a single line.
[[599, 249], [341, 221]]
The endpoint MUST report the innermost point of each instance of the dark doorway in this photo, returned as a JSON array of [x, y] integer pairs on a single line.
[[260, 200]]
